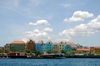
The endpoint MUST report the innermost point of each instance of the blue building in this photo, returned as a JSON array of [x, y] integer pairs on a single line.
[[39, 46], [49, 46], [68, 47]]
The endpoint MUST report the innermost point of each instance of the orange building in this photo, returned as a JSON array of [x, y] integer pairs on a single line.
[[95, 49], [83, 50], [31, 45]]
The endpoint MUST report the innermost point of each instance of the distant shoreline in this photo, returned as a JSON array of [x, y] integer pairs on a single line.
[[46, 57]]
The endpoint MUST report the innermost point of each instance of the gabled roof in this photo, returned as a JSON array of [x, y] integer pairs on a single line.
[[18, 42], [49, 41]]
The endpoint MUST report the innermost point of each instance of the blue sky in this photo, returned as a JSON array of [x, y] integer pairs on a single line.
[[68, 20]]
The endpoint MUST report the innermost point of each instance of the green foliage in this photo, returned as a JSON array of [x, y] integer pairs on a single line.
[[28, 50], [49, 51], [63, 51], [84, 52], [55, 51], [71, 52], [38, 52], [1, 51], [96, 52]]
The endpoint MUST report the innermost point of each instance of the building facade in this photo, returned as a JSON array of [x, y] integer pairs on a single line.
[[17, 46], [68, 47], [39, 46], [49, 46], [61, 46], [56, 47], [95, 50], [31, 45]]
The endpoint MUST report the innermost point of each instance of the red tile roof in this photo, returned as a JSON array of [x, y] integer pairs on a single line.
[[74, 46], [83, 49], [18, 42], [39, 41], [49, 41], [94, 47], [70, 43]]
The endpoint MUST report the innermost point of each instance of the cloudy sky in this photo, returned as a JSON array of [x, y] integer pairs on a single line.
[[68, 20]]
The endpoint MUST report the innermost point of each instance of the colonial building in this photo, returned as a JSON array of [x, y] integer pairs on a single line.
[[73, 46], [61, 46], [17, 46], [31, 45], [56, 47], [82, 50], [95, 50], [49, 46], [39, 46], [68, 47]]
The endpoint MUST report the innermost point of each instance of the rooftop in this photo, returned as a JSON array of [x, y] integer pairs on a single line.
[[70, 43], [83, 49], [39, 42], [49, 41], [18, 42]]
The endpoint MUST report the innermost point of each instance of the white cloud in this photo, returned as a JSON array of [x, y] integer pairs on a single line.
[[83, 29], [79, 16], [48, 29], [36, 35], [39, 23], [66, 5]]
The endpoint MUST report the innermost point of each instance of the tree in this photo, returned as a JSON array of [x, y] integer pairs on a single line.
[[28, 50], [55, 51], [49, 51], [38, 53], [73, 52], [1, 50], [63, 51]]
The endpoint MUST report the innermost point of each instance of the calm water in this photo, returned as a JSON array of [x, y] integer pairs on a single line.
[[50, 62]]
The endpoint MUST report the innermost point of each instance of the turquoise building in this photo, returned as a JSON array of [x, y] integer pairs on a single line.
[[49, 46], [68, 47]]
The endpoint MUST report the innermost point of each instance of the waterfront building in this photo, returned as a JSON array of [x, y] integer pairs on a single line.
[[49, 46], [31, 45], [17, 46], [39, 46], [73, 46], [56, 47], [95, 50], [61, 46], [83, 50], [43, 47], [7, 48], [68, 47]]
